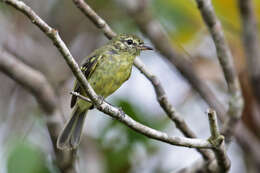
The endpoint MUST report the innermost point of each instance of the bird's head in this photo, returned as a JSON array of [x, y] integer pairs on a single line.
[[129, 43]]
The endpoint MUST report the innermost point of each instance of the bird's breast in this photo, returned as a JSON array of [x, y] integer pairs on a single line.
[[110, 74]]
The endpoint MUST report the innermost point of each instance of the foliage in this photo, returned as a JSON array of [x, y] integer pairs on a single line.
[[26, 158]]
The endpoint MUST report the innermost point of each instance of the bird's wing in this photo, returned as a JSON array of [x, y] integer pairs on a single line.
[[87, 68]]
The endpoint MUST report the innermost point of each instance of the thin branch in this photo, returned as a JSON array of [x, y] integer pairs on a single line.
[[251, 145], [36, 83], [222, 162], [96, 100], [218, 141], [97, 20], [160, 93], [79, 96], [159, 38], [246, 140], [147, 131], [152, 28], [30, 79], [214, 130], [251, 43], [226, 61]]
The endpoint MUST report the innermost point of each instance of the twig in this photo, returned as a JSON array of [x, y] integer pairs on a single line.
[[222, 162], [96, 100], [160, 93], [218, 141], [79, 96], [36, 83], [227, 65]]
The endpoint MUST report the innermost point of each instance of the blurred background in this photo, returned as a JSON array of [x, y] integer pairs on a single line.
[[108, 146]]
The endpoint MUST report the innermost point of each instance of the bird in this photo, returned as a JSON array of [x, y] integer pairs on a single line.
[[106, 69]]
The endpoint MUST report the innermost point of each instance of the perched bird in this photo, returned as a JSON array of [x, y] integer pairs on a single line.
[[106, 69]]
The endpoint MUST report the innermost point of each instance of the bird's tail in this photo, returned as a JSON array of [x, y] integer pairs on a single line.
[[70, 136]]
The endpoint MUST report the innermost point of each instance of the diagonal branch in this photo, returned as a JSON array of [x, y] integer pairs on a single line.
[[251, 43], [152, 28], [154, 31], [222, 163], [96, 100], [93, 16], [147, 131], [36, 83], [226, 61], [160, 93]]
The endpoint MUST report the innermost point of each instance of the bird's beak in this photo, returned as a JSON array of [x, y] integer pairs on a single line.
[[145, 47]]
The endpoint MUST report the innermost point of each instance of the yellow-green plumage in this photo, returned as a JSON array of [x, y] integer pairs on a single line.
[[106, 69]]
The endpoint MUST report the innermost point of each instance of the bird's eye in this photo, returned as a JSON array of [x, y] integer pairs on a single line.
[[129, 42]]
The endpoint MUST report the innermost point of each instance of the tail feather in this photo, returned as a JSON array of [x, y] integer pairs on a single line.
[[77, 131], [70, 136]]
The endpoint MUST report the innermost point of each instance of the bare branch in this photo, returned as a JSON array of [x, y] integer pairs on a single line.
[[248, 142], [227, 65], [218, 141], [251, 43], [152, 28], [222, 162], [30, 79], [214, 130], [147, 131], [93, 16], [96, 100], [36, 83], [79, 96], [160, 93]]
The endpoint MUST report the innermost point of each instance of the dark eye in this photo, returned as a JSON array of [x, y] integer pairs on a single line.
[[129, 42]]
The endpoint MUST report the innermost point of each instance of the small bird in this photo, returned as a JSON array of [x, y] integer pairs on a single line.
[[106, 69]]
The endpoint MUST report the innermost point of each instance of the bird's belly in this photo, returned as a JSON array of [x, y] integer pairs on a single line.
[[106, 80]]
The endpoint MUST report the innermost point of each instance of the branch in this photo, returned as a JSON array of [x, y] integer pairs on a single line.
[[151, 27], [147, 131], [159, 38], [222, 162], [96, 100], [79, 96], [36, 83], [226, 61], [160, 93], [93, 16], [251, 43], [246, 140], [218, 141], [249, 142], [29, 78]]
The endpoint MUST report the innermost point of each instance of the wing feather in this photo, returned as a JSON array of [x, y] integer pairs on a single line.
[[87, 68]]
